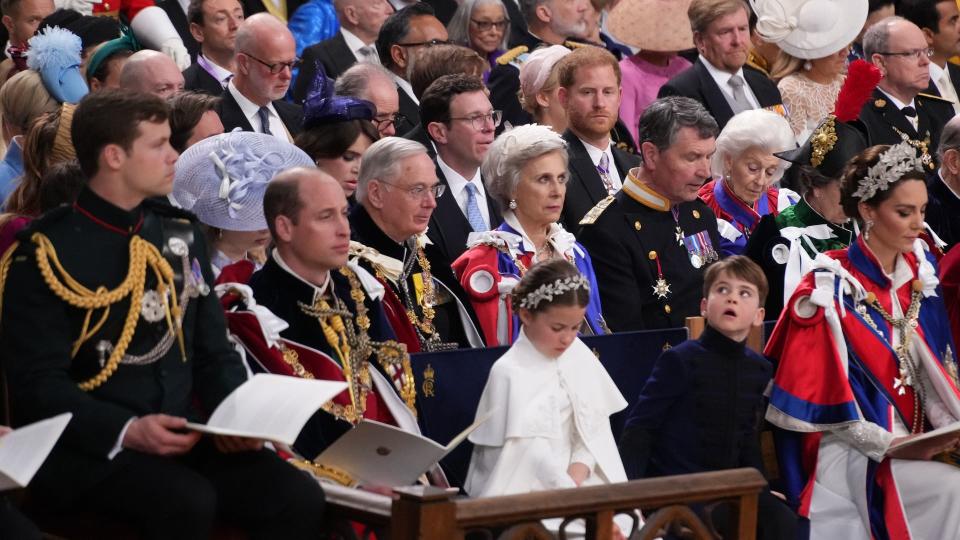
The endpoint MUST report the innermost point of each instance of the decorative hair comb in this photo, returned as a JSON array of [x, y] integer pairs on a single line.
[[549, 290], [897, 161]]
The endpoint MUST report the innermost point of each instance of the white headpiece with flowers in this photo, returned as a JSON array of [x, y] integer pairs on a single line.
[[895, 162], [548, 291]]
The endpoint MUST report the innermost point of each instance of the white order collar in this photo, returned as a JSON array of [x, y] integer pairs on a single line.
[[247, 107], [597, 153], [456, 181], [317, 291], [562, 241]]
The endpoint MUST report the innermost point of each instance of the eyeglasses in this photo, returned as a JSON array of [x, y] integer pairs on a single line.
[[480, 121], [383, 123], [915, 53], [485, 26], [419, 192], [277, 67], [429, 43]]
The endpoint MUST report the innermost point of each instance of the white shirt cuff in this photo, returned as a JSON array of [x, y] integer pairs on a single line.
[[119, 445]]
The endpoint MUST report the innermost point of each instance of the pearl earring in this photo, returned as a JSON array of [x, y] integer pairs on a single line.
[[807, 66], [513, 204], [866, 229]]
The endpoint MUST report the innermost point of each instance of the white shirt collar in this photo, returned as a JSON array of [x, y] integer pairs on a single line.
[[317, 291], [936, 72], [353, 42], [455, 181], [721, 77], [220, 73], [597, 153], [404, 85], [899, 104], [248, 107]]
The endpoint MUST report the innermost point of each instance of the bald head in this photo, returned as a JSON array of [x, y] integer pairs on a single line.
[[283, 198], [265, 53], [949, 150], [151, 72]]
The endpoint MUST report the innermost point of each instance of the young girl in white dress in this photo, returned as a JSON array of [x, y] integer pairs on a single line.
[[549, 396]]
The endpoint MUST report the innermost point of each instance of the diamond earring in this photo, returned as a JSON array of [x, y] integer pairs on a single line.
[[866, 229], [513, 204]]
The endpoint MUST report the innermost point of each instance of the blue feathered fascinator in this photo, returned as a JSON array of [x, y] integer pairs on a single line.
[[54, 53], [322, 107]]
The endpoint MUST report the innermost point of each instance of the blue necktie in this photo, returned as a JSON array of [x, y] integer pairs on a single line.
[[473, 209], [264, 114]]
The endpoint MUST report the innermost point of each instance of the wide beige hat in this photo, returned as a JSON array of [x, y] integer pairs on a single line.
[[652, 25]]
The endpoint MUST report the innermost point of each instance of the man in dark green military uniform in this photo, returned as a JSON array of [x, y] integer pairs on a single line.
[[651, 242], [108, 314]]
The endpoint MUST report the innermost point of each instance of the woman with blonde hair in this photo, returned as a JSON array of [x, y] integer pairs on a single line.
[[814, 37], [23, 99], [539, 85]]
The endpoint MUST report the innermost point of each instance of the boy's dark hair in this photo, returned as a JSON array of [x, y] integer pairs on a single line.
[[436, 99], [546, 273], [396, 28], [740, 267], [186, 110], [111, 117], [330, 141]]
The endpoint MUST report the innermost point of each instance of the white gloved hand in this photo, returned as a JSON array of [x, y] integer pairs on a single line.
[[85, 7], [153, 28], [174, 48]]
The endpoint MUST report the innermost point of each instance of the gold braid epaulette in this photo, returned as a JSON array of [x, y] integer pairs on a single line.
[[142, 255], [5, 269]]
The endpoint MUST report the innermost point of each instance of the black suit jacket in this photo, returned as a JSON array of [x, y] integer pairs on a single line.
[[696, 82], [179, 19], [449, 227], [584, 187], [197, 78], [410, 111], [519, 35], [943, 212], [232, 117], [420, 135], [333, 54], [882, 122]]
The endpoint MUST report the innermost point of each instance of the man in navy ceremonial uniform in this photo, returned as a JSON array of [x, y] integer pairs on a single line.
[[651, 242], [108, 314]]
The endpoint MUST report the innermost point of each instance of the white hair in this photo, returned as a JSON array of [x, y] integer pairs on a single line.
[[756, 128], [382, 161], [510, 152]]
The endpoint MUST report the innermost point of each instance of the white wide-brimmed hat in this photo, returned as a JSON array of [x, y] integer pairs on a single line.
[[810, 29], [652, 25], [222, 179]]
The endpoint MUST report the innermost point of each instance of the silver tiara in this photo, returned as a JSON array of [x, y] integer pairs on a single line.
[[897, 161], [549, 290]]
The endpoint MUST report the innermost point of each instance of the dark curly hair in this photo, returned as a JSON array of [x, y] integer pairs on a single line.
[[545, 273], [856, 170]]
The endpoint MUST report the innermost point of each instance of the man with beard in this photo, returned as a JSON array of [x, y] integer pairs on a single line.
[[899, 111], [460, 121], [589, 80], [397, 192], [651, 242], [265, 55], [550, 22], [720, 78]]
